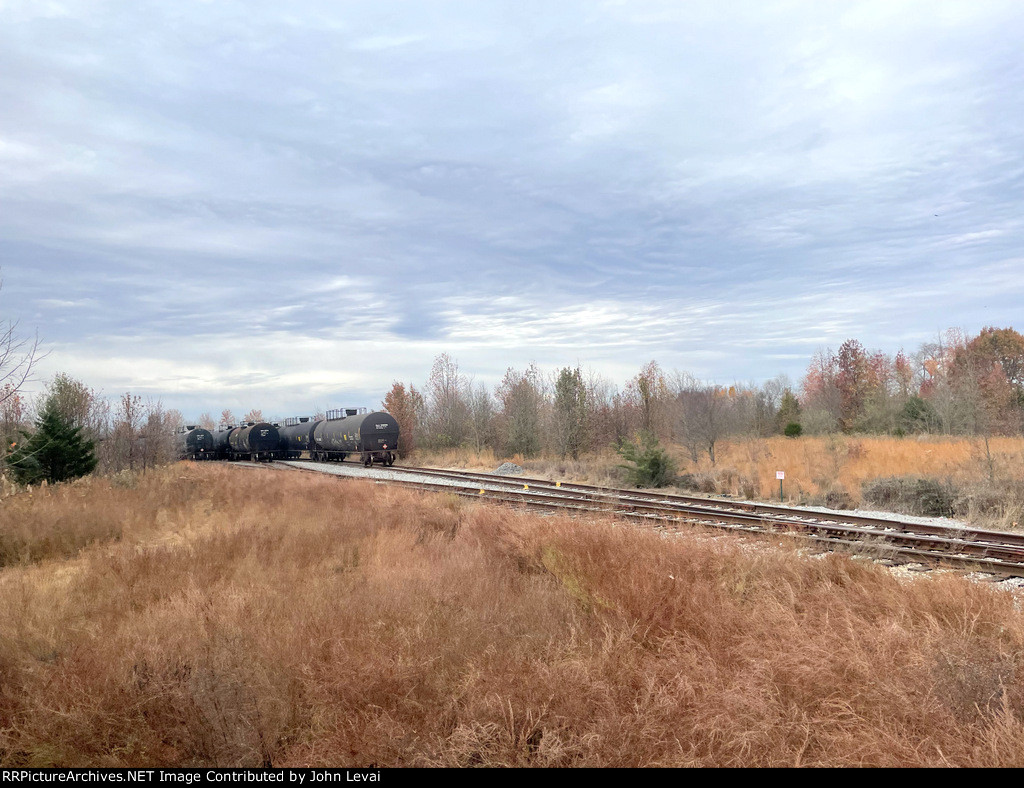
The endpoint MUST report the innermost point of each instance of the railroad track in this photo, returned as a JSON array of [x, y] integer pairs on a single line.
[[999, 554]]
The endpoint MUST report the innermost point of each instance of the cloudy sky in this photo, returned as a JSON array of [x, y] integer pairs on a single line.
[[289, 205]]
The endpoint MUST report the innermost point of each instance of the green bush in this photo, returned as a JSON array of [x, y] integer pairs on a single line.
[[650, 465], [793, 430]]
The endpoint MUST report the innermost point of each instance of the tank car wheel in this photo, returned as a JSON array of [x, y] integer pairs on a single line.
[[390, 459], [368, 460]]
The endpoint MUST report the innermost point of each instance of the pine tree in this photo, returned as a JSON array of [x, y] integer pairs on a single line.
[[55, 452], [570, 412], [650, 465]]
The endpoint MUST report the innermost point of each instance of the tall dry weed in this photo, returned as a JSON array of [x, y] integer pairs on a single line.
[[252, 617]]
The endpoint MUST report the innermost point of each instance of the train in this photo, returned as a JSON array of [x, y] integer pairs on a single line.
[[343, 432]]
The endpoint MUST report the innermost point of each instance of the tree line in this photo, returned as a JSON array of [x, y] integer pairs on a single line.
[[70, 430], [956, 385]]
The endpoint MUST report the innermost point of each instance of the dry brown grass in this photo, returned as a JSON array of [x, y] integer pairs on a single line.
[[813, 464], [259, 617], [829, 471]]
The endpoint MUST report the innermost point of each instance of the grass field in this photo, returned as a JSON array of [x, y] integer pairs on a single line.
[[204, 614], [987, 484]]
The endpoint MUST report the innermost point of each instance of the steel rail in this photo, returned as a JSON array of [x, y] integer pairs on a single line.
[[783, 512]]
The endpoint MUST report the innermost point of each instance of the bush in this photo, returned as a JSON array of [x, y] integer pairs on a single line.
[[911, 494], [687, 482], [650, 464], [793, 430], [833, 498]]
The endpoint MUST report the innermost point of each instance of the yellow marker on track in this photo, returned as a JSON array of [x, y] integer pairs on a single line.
[[526, 487], [558, 484], [481, 491]]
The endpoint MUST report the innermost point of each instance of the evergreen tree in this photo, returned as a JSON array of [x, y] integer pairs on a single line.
[[789, 410], [650, 465], [56, 452], [570, 412]]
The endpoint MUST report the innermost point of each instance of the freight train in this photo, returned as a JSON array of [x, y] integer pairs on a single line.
[[372, 437]]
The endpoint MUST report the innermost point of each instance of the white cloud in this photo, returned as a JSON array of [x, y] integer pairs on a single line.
[[328, 195]]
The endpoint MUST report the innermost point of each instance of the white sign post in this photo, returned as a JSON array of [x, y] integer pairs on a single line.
[[780, 475]]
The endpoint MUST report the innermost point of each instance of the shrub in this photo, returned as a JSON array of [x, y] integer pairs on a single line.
[[650, 465], [833, 498], [687, 482], [911, 494], [793, 430]]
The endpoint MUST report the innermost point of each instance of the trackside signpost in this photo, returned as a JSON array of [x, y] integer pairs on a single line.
[[780, 475]]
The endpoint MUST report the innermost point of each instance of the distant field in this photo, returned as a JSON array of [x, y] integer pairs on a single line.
[[987, 486], [206, 614]]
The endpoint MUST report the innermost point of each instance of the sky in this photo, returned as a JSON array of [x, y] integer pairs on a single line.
[[289, 206]]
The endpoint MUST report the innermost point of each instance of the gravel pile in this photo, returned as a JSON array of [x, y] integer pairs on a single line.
[[508, 469]]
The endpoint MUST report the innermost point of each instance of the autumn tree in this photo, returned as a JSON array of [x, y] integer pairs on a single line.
[[649, 391], [405, 404], [987, 397], [853, 382], [820, 396], [936, 383], [255, 416], [886, 393], [991, 367]]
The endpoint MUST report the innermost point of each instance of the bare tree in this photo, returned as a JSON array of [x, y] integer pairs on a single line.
[[123, 448], [18, 356], [12, 413], [447, 409], [703, 414], [156, 436], [613, 418], [481, 415]]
